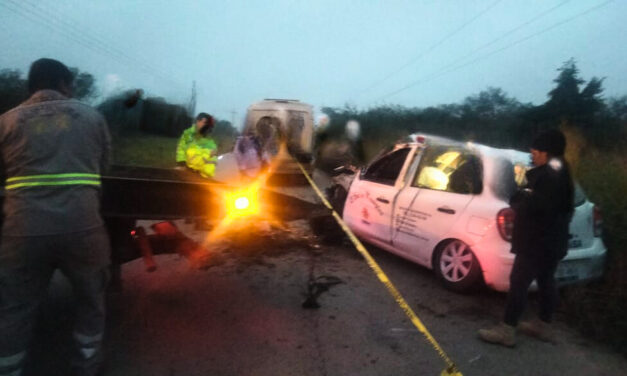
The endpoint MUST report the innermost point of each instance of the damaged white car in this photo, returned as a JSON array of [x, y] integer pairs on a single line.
[[444, 204]]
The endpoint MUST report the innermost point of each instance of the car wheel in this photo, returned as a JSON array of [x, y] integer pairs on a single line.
[[457, 267]]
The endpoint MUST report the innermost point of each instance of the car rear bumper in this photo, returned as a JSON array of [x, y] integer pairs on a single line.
[[580, 265], [584, 264]]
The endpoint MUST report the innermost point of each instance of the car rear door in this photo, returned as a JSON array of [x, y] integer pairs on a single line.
[[370, 202], [446, 180]]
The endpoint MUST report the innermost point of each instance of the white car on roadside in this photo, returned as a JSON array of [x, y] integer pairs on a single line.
[[444, 205]]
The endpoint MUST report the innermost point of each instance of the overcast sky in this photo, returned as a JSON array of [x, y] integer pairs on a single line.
[[327, 53]]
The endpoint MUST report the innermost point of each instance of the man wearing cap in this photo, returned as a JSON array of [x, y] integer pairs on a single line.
[[52, 152], [543, 210], [196, 149]]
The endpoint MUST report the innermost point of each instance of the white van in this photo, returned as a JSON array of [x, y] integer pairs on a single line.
[[283, 121]]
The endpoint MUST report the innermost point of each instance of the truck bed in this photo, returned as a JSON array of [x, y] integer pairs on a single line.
[[156, 193]]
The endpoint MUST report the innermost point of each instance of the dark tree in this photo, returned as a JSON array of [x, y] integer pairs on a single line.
[[84, 85], [568, 104], [490, 104], [12, 89]]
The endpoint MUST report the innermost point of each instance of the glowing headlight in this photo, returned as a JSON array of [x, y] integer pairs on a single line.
[[241, 203]]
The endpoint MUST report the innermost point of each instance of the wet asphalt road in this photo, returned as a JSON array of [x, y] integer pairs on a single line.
[[245, 317]]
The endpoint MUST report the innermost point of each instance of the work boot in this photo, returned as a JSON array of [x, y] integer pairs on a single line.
[[538, 329], [501, 334]]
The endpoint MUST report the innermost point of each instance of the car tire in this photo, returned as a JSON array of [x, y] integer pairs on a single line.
[[457, 266]]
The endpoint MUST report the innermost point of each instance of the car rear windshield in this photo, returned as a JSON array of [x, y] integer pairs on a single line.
[[509, 176]]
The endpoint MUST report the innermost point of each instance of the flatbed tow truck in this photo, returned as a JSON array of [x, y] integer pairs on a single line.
[[130, 193], [134, 193]]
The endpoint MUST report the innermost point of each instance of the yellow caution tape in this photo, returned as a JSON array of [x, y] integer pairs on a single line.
[[451, 369]]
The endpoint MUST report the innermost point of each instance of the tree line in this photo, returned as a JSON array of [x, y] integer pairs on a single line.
[[126, 112], [495, 118]]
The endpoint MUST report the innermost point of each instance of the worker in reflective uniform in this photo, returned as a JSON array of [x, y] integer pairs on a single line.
[[196, 148], [52, 152]]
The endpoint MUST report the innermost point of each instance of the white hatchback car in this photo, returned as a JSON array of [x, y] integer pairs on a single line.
[[444, 204]]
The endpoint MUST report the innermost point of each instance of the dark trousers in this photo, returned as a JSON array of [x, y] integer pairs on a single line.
[[26, 267], [527, 268]]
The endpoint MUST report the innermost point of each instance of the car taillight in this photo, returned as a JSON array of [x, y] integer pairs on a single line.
[[597, 222], [505, 223]]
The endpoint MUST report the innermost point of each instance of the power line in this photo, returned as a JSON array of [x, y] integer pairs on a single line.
[[507, 33], [99, 40], [72, 30], [433, 47], [29, 17], [43, 17], [444, 72]]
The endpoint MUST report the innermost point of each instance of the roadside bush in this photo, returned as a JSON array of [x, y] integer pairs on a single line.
[[600, 309]]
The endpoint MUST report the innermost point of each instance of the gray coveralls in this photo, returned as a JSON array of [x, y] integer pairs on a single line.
[[52, 151]]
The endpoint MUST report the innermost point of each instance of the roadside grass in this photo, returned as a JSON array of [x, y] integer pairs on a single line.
[[600, 309], [142, 149]]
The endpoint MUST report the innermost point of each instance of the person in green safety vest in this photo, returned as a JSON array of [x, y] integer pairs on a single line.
[[196, 148]]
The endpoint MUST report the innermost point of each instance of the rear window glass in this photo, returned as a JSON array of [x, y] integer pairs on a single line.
[[580, 196], [508, 177]]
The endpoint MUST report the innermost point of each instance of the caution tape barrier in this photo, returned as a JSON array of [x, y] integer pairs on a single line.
[[451, 369]]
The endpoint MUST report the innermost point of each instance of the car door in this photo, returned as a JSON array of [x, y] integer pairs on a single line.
[[370, 202], [445, 182]]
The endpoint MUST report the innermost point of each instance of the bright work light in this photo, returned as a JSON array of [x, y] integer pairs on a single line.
[[241, 203]]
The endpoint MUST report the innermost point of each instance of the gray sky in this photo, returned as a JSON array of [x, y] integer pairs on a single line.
[[327, 53]]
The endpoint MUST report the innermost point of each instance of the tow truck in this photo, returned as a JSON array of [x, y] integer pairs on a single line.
[[132, 193]]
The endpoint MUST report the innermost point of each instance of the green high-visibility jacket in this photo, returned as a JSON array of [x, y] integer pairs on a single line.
[[189, 138], [197, 151]]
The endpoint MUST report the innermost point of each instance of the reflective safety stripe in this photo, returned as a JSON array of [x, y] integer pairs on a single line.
[[50, 183], [85, 339], [88, 345], [88, 352], [52, 180], [53, 176], [12, 365], [12, 360]]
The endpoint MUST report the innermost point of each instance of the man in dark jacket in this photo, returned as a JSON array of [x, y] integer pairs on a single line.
[[52, 152], [543, 210]]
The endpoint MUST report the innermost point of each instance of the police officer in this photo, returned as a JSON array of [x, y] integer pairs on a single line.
[[543, 210], [52, 152], [196, 149]]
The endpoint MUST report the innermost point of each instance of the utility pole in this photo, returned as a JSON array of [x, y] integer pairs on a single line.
[[191, 107], [233, 113]]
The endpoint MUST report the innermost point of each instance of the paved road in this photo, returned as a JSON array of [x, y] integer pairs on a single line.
[[244, 317]]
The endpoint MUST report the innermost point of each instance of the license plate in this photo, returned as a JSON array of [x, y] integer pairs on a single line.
[[567, 272], [574, 243]]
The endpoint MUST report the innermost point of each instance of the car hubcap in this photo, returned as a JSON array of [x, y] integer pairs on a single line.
[[456, 261]]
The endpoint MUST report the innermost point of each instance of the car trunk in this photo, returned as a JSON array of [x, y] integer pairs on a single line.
[[508, 177], [581, 226]]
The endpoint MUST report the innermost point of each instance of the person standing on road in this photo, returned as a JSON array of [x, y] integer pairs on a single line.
[[52, 152], [196, 148], [543, 210]]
